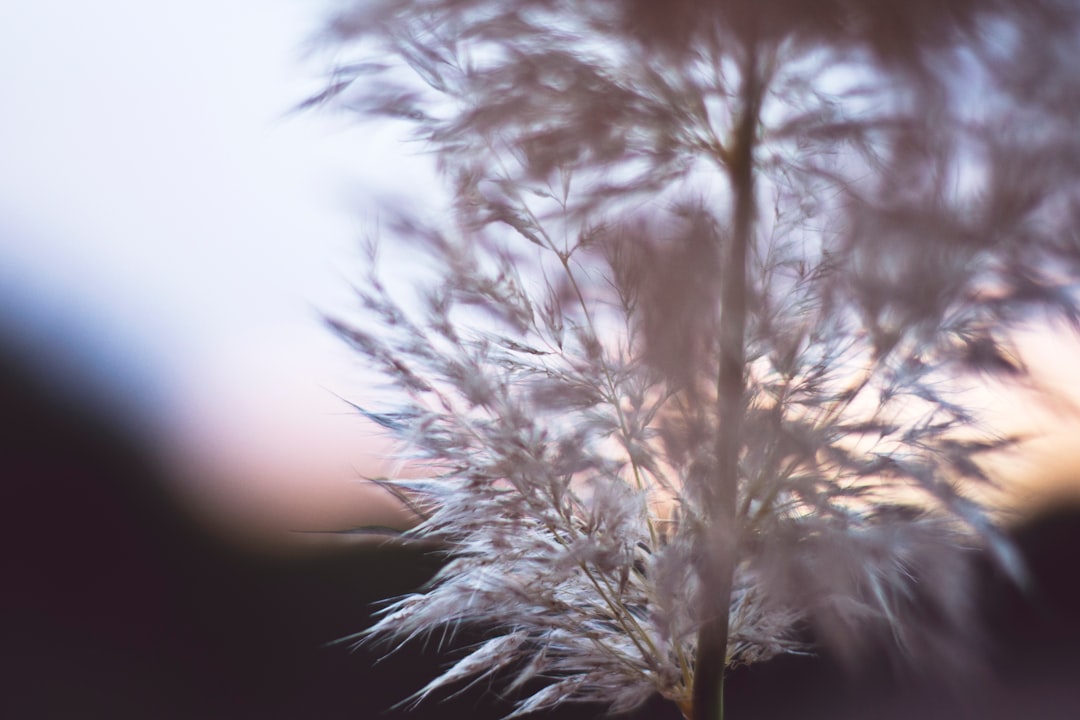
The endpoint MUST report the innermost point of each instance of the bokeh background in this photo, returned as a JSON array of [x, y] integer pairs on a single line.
[[171, 231], [173, 428]]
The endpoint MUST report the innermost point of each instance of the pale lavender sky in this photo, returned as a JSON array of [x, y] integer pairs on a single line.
[[170, 228]]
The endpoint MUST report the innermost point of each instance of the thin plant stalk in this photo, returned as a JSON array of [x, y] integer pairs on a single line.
[[717, 568]]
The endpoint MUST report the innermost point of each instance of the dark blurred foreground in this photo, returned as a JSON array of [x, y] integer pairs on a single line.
[[114, 603]]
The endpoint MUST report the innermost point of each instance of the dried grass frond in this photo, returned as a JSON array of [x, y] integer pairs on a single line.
[[560, 376]]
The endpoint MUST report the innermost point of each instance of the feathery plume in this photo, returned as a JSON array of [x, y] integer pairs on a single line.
[[839, 209]]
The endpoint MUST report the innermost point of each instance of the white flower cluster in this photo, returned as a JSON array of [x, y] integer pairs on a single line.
[[838, 210]]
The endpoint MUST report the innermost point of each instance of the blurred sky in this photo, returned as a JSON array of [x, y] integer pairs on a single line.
[[169, 231]]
